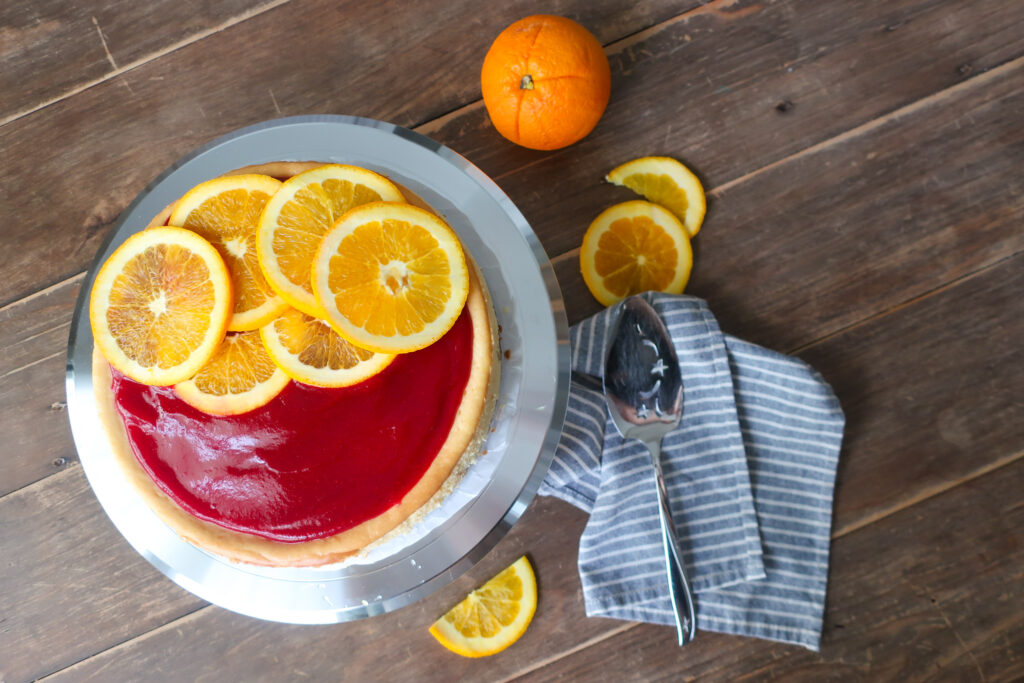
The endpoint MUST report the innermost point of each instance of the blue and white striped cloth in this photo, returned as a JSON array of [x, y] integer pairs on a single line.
[[750, 472]]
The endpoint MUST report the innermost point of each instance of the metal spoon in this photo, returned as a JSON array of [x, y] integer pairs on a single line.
[[644, 390]]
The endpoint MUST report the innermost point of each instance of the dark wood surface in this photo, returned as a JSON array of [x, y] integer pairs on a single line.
[[866, 212]]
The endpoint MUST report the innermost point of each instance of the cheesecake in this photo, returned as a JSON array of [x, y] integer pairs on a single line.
[[316, 475]]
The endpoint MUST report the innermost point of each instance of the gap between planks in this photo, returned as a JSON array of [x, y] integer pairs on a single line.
[[177, 622], [436, 123], [120, 71], [614, 46], [903, 304], [857, 131], [844, 531], [931, 493]]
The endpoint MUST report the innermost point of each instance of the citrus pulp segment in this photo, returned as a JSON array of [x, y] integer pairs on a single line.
[[667, 182], [300, 214], [493, 616], [225, 211], [634, 247], [238, 378], [160, 305], [309, 351], [391, 277]]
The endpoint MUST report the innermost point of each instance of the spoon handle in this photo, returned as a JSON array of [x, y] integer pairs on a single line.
[[679, 588]]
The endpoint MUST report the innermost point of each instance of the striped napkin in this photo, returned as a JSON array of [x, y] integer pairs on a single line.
[[749, 470]]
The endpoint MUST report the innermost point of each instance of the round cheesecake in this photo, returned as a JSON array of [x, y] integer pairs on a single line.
[[316, 475]]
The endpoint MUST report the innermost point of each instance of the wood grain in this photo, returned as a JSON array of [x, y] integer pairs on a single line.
[[931, 392], [49, 48], [971, 328], [926, 594], [396, 61], [33, 409], [133, 597], [70, 584], [874, 219], [729, 90]]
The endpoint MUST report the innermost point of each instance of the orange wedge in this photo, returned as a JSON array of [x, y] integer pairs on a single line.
[[225, 211], [309, 351], [300, 214], [391, 277], [634, 247], [160, 305], [493, 616], [240, 377], [667, 182]]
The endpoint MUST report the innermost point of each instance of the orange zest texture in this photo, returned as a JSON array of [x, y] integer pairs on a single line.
[[545, 82]]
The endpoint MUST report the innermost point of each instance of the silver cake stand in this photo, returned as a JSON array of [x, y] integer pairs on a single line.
[[531, 401]]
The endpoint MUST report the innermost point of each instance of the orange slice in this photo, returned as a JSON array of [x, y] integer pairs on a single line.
[[391, 278], [309, 351], [225, 211], [300, 214], [240, 377], [667, 182], [634, 247], [160, 305], [493, 616]]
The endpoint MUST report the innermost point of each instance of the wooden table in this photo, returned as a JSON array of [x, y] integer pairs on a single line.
[[864, 166]]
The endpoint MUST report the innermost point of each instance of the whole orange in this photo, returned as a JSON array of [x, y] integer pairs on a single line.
[[545, 82]]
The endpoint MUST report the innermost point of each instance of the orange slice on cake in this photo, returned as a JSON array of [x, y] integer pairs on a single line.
[[309, 351], [296, 219], [160, 305], [391, 277], [238, 378], [225, 211]]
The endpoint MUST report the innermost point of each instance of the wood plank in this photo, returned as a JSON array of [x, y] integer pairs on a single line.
[[707, 88], [51, 48], [70, 584], [930, 593], [407, 69], [931, 392], [871, 374], [33, 419], [875, 218], [108, 594]]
